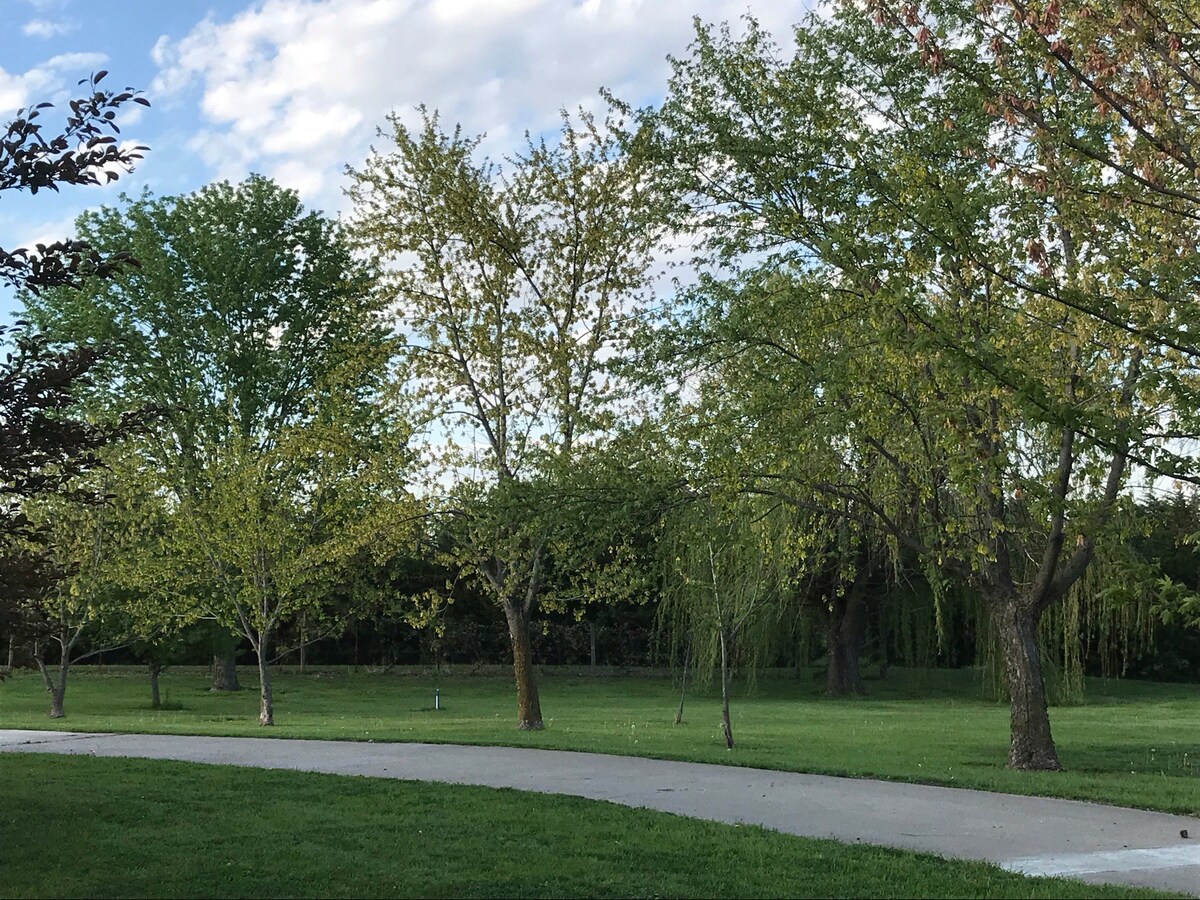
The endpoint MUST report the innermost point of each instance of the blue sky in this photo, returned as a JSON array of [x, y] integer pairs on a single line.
[[295, 88]]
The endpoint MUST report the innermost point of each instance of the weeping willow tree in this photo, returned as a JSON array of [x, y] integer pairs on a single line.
[[724, 573]]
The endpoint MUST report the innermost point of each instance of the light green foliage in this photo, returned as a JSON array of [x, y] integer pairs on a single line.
[[515, 286], [101, 600], [724, 576], [904, 340], [280, 448]]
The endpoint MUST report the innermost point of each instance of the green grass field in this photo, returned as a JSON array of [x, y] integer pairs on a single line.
[[84, 827], [1132, 743]]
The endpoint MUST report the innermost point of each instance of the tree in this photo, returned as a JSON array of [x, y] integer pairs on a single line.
[[912, 335], [1076, 89], [42, 447], [250, 324], [90, 540], [722, 580], [514, 288]]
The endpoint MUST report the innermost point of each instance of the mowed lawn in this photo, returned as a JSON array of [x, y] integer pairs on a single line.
[[90, 827], [1130, 743]]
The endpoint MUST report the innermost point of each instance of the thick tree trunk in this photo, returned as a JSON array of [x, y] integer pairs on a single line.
[[266, 701], [726, 724], [845, 635], [155, 702], [1032, 746], [58, 693], [56, 703], [225, 677], [529, 708]]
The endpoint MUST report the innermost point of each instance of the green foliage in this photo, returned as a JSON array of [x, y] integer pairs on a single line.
[[516, 287], [910, 320], [103, 594], [723, 581], [281, 451]]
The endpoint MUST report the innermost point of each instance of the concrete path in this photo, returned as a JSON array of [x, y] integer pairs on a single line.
[[1034, 835]]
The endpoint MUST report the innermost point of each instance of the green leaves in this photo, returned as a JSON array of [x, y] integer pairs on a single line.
[[282, 449], [516, 287]]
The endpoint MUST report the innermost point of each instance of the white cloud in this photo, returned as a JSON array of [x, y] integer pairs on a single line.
[[48, 232], [44, 81], [297, 87], [46, 28]]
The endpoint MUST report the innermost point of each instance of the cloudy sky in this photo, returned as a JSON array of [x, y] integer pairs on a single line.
[[296, 88]]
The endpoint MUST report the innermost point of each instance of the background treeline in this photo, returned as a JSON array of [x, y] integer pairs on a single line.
[[898, 629]]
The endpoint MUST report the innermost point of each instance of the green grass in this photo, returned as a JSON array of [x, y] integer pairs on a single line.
[[90, 827], [1132, 743]]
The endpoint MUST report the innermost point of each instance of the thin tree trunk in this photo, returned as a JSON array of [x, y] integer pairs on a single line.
[[155, 702], [687, 654], [41, 664], [225, 677], [303, 642], [591, 642], [1031, 746], [56, 691], [846, 633], [12, 649], [726, 724], [266, 703], [529, 708]]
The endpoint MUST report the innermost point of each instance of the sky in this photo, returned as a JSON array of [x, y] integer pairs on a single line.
[[295, 89]]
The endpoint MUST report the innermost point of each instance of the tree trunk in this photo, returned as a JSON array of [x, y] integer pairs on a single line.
[[12, 649], [726, 724], [591, 644], [845, 634], [266, 703], [58, 693], [225, 677], [56, 704], [1032, 746], [155, 702], [529, 708], [687, 654]]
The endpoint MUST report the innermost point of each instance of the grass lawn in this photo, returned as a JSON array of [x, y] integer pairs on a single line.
[[90, 827], [1132, 743]]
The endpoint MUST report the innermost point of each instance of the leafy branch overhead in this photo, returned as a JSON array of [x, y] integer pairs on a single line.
[[84, 152]]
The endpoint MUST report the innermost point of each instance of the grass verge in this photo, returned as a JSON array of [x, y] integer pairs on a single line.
[[139, 828], [1132, 743]]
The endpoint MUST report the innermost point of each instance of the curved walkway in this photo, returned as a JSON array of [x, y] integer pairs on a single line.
[[1035, 835]]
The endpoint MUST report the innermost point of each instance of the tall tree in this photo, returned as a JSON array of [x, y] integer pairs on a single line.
[[251, 325], [514, 287], [912, 332]]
